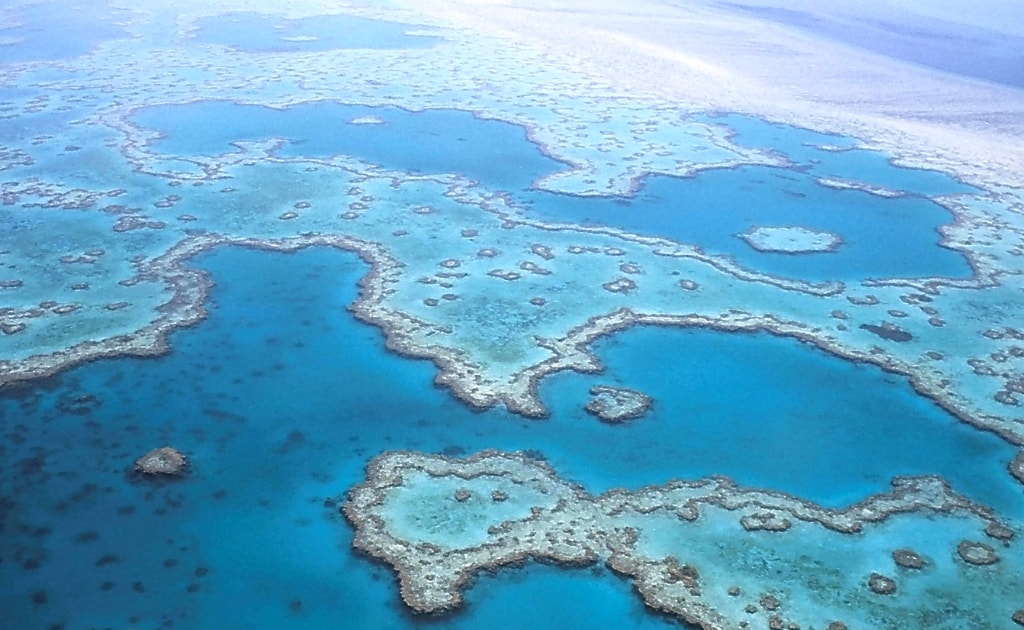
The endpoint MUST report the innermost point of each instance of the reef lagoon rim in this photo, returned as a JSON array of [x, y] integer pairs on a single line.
[[439, 521]]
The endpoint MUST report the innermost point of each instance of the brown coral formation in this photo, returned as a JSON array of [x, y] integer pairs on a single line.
[[765, 521], [999, 531], [888, 331], [504, 275], [534, 268], [617, 404], [161, 462], [1017, 466], [630, 268], [976, 553], [907, 559], [881, 584], [543, 251], [620, 285]]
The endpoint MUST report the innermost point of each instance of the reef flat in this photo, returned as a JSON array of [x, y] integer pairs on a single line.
[[709, 552], [791, 240]]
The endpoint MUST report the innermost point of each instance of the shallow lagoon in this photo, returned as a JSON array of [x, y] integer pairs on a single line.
[[280, 398], [710, 210], [882, 237], [429, 142]]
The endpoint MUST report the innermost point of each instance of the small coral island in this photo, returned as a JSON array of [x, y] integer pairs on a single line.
[[617, 404], [708, 552], [161, 462], [791, 240]]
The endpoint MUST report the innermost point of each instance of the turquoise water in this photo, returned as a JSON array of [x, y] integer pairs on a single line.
[[281, 398], [262, 33], [881, 237]]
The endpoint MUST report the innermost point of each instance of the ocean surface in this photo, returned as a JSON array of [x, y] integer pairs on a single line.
[[280, 398], [969, 51]]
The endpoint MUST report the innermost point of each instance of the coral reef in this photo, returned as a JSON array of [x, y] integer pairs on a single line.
[[161, 462], [439, 521], [617, 404]]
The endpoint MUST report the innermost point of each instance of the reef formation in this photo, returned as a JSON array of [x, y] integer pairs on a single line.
[[708, 552], [791, 240], [118, 287], [617, 404], [161, 462], [462, 272]]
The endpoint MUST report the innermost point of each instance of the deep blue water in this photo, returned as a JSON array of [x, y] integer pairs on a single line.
[[801, 146], [280, 398], [777, 413], [431, 141], [55, 30], [882, 237], [262, 33]]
